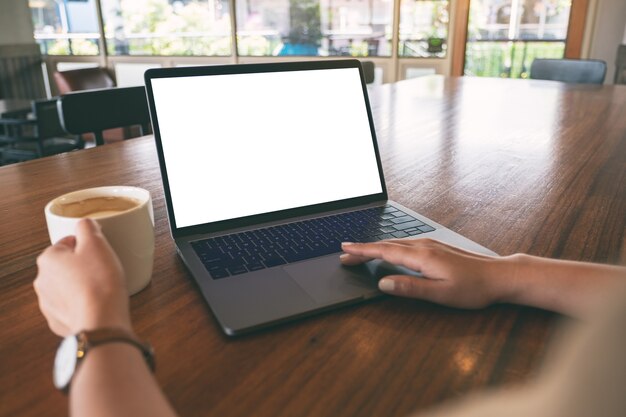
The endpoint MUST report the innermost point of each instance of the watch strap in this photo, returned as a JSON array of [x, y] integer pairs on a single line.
[[88, 339]]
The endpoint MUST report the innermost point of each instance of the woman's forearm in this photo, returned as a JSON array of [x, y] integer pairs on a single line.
[[567, 287], [114, 380]]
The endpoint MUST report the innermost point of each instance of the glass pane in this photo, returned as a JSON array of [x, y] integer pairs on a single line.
[[507, 59], [65, 27], [418, 72], [518, 19], [423, 28], [505, 36], [314, 27], [164, 27], [131, 74]]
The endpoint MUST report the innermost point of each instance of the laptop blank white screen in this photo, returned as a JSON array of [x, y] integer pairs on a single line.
[[243, 144]]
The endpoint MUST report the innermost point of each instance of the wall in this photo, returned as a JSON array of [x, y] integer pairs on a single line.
[[606, 28], [16, 26]]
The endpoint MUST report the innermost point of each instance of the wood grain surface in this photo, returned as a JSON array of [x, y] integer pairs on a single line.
[[516, 165]]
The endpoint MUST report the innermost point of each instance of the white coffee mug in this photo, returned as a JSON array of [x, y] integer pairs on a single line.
[[130, 232]]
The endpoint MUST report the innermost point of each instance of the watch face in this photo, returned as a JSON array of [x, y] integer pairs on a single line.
[[65, 362]]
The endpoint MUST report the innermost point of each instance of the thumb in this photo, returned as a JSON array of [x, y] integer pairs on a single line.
[[68, 242], [412, 287], [87, 231]]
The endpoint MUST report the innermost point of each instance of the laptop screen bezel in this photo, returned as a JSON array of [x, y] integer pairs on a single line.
[[223, 225]]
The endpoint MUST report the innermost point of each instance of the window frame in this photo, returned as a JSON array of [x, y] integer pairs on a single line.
[[394, 67]]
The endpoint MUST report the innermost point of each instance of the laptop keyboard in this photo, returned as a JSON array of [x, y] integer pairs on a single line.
[[253, 250]]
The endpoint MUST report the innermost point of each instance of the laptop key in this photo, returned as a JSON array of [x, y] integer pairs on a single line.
[[207, 260], [399, 234], [209, 253], [323, 251], [213, 266], [236, 270], [256, 266], [274, 261], [252, 259], [384, 236], [402, 219], [296, 256], [219, 273], [408, 225], [426, 228], [334, 245], [414, 232]]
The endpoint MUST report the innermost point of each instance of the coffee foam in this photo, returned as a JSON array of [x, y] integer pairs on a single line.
[[95, 207]]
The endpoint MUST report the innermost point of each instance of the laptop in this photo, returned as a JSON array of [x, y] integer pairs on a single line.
[[266, 169]]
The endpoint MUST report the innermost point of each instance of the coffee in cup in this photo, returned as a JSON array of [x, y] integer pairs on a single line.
[[95, 207], [126, 217]]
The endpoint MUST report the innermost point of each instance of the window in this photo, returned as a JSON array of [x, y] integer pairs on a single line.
[[314, 27], [423, 28], [358, 28], [505, 36], [163, 27], [65, 27]]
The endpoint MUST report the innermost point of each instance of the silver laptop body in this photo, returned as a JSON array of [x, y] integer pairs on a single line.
[[250, 151]]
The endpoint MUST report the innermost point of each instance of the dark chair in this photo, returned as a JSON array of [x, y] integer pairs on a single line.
[[620, 65], [90, 79], [26, 139], [368, 71], [583, 71], [83, 79], [97, 110]]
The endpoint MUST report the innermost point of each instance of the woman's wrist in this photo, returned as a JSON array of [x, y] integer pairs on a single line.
[[105, 322], [506, 276], [98, 317]]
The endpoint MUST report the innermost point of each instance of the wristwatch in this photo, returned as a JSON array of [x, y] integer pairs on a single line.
[[73, 349]]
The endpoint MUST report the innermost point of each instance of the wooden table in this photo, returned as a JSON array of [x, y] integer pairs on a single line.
[[518, 166]]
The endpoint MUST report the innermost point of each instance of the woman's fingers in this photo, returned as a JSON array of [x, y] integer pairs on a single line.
[[351, 260], [395, 253], [68, 242], [54, 323], [452, 276], [88, 233], [412, 287]]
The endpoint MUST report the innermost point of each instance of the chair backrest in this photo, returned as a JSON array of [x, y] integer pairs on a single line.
[[97, 110], [368, 71], [83, 79], [21, 72], [583, 71], [47, 118], [620, 65]]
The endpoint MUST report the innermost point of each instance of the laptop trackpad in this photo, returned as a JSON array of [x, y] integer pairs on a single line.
[[327, 281]]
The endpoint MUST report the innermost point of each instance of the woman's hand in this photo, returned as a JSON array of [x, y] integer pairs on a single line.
[[452, 276], [80, 283]]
